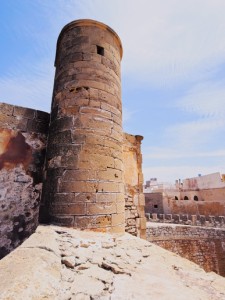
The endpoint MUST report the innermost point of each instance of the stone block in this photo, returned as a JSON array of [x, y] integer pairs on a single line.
[[101, 208], [63, 220], [37, 126], [111, 108], [95, 162], [62, 198], [93, 221], [70, 161], [65, 150], [6, 109], [120, 197], [110, 187], [118, 229], [76, 175], [117, 119], [154, 217], [69, 110], [106, 197], [96, 123], [77, 138], [118, 164], [75, 101], [12, 122], [94, 103], [24, 112], [120, 207], [96, 111], [41, 115], [131, 222], [58, 125], [94, 94], [117, 135], [85, 197], [79, 187], [68, 209], [109, 175], [63, 137], [118, 219], [141, 199], [70, 58]]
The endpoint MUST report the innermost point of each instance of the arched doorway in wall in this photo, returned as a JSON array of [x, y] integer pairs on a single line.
[[186, 198], [196, 198]]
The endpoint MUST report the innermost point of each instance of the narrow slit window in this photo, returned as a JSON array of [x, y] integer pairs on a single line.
[[100, 50]]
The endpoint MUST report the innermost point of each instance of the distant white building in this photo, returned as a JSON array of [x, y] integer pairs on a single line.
[[201, 195]]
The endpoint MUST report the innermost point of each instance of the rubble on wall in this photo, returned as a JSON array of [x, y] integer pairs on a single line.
[[23, 134], [134, 197]]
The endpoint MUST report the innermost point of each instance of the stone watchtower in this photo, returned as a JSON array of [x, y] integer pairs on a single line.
[[84, 184]]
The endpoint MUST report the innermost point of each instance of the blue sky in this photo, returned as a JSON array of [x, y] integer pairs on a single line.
[[173, 72]]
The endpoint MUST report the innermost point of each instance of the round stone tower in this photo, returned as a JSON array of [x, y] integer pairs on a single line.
[[84, 185]]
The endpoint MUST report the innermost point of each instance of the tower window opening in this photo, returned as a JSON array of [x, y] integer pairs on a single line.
[[185, 197], [155, 206], [176, 198], [100, 50], [196, 198]]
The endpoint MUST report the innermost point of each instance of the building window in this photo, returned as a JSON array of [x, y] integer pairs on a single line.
[[155, 206], [176, 198], [196, 198], [100, 50], [185, 197]]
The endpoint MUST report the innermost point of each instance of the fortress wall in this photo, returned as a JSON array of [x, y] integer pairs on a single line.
[[185, 219], [84, 185], [23, 133], [204, 246], [204, 206], [134, 197]]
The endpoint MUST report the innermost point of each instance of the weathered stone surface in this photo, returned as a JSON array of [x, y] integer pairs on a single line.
[[134, 197], [22, 154], [86, 114], [101, 266]]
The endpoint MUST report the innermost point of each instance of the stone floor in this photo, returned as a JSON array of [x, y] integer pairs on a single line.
[[66, 264]]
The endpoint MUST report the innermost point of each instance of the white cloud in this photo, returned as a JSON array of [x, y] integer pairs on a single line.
[[195, 134], [30, 86], [206, 99], [171, 153], [164, 42], [169, 174]]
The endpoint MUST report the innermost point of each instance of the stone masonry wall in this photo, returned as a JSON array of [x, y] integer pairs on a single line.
[[134, 197], [185, 219], [84, 185], [23, 133], [204, 246]]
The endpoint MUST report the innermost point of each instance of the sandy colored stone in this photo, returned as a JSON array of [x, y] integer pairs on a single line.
[[87, 285], [130, 268], [68, 261]]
